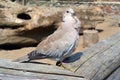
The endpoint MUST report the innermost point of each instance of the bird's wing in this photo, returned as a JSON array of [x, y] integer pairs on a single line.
[[57, 44]]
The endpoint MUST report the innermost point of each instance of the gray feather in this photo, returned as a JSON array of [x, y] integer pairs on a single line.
[[36, 54], [22, 59]]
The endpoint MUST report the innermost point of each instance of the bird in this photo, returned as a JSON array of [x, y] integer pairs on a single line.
[[60, 44]]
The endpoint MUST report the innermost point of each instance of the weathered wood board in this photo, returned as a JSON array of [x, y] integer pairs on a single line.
[[34, 71], [115, 75], [99, 60]]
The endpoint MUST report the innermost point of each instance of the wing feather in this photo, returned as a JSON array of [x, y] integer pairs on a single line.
[[59, 44]]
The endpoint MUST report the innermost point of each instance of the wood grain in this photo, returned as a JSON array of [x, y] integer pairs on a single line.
[[99, 60], [36, 71]]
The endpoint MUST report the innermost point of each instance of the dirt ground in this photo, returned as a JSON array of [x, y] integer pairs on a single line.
[[105, 26]]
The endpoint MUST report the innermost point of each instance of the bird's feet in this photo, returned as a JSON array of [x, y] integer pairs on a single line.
[[59, 63]]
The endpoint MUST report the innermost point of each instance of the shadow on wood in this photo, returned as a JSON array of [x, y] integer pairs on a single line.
[[73, 57]]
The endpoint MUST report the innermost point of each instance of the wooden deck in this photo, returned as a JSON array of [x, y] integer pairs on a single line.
[[98, 62]]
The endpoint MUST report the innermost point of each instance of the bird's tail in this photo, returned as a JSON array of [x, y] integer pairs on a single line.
[[22, 59], [31, 56]]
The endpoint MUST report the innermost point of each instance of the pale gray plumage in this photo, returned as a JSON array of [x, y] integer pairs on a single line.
[[61, 43]]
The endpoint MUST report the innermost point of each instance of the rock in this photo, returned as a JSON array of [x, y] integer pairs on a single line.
[[119, 24], [90, 16], [107, 9], [114, 20], [27, 26], [90, 37]]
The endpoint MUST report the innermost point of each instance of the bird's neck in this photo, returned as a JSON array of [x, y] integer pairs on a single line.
[[69, 28], [67, 18]]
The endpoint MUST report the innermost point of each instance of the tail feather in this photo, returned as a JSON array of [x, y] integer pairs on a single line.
[[36, 54], [22, 59]]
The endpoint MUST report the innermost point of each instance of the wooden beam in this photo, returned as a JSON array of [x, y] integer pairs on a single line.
[[115, 75], [35, 71], [99, 60]]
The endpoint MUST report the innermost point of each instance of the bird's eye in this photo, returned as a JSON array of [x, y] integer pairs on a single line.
[[67, 11]]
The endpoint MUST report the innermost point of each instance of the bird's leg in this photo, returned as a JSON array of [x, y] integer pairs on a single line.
[[59, 63], [26, 61]]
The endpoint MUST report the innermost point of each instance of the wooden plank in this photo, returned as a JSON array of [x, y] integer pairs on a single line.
[[99, 60], [15, 77], [102, 64], [115, 75], [36, 70], [30, 75], [92, 51]]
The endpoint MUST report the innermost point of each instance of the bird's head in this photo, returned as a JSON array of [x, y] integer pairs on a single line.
[[71, 20], [69, 12]]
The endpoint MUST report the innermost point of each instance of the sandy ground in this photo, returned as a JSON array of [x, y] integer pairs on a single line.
[[107, 31]]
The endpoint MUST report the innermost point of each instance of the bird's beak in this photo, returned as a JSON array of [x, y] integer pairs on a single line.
[[74, 14]]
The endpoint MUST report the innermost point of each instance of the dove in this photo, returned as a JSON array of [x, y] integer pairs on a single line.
[[60, 44]]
